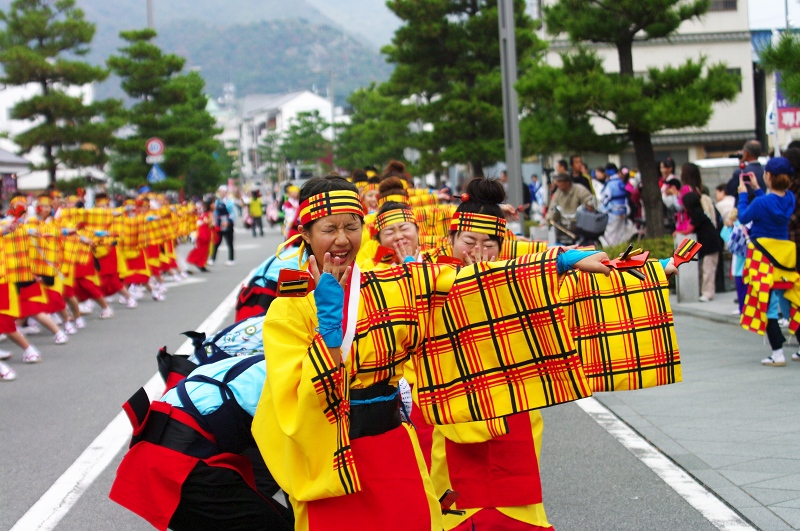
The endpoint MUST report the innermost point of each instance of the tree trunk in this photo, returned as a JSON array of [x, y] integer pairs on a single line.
[[51, 164], [477, 168], [648, 171], [645, 157]]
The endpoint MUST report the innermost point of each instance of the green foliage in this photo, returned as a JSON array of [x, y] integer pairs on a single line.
[[561, 103], [170, 106], [42, 43], [447, 57], [663, 247], [70, 186], [269, 154], [303, 142], [378, 130], [784, 57]]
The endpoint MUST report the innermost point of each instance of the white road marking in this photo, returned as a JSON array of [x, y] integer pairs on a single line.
[[712, 508], [184, 282], [54, 504]]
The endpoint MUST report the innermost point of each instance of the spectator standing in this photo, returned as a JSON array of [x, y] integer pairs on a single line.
[[565, 202], [290, 207], [770, 214], [224, 218], [599, 182], [750, 153], [708, 237], [667, 169], [725, 203], [615, 204], [579, 174], [256, 212]]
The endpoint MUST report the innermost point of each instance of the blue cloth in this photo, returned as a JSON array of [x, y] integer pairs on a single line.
[[754, 167], [206, 397], [778, 305], [567, 260], [329, 297], [271, 267], [779, 166], [615, 197], [769, 213]]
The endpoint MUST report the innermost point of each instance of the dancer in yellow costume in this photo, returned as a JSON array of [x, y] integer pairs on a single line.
[[328, 422]]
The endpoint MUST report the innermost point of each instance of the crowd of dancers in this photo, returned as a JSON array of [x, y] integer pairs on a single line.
[[59, 260]]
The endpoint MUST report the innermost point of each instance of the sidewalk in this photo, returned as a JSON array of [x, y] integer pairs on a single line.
[[732, 423]]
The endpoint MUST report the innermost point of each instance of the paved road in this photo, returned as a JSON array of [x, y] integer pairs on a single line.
[[55, 409]]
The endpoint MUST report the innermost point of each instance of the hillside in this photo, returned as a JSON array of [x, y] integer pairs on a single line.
[[275, 56]]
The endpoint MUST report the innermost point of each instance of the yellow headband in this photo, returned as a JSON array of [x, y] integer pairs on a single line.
[[397, 198], [329, 204], [394, 216], [480, 223]]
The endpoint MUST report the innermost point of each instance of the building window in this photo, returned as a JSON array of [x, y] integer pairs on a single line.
[[722, 5]]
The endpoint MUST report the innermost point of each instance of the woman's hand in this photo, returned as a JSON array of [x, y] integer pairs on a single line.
[[742, 187], [328, 266], [402, 250], [671, 269], [478, 254], [509, 211], [592, 264]]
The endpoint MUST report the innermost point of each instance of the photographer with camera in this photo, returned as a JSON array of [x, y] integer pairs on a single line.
[[564, 206]]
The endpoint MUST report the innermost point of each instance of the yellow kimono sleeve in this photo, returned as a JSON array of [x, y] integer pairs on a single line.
[[496, 343], [474, 432], [514, 248], [623, 328], [301, 423]]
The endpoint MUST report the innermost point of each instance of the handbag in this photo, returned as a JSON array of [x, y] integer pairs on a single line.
[[737, 244], [592, 224]]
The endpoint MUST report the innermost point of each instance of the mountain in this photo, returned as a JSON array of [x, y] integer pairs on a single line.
[[275, 56], [368, 18]]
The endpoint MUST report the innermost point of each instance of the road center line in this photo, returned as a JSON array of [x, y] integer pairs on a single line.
[[712, 508], [62, 495]]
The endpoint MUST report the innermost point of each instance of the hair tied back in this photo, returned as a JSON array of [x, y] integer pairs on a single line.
[[464, 198]]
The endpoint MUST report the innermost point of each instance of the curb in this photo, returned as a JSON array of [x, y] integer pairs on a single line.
[[677, 309]]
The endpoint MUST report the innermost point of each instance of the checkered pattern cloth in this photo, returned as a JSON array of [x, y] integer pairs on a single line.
[[427, 199], [128, 228], [71, 217], [510, 249], [17, 255], [623, 328], [152, 234], [434, 221], [98, 219], [47, 250], [760, 275], [497, 342], [330, 203]]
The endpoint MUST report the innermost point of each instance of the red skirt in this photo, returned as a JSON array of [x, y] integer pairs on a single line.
[[32, 299], [55, 301], [198, 256], [8, 324], [137, 270]]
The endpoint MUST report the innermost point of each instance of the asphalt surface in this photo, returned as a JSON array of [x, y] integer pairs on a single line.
[[55, 409]]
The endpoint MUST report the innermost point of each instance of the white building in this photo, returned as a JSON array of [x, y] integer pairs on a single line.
[[722, 35], [264, 113]]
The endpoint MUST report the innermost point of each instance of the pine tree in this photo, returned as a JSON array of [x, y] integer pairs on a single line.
[[303, 143], [560, 102], [170, 106], [447, 60], [378, 130], [784, 57], [41, 45]]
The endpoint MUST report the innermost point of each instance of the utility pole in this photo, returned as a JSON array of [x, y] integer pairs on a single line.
[[332, 99], [508, 63], [150, 19]]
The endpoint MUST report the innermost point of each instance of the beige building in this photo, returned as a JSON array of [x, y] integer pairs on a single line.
[[722, 35]]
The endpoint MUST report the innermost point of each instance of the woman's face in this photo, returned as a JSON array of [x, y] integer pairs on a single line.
[[405, 233], [371, 200], [666, 171], [465, 243], [339, 235]]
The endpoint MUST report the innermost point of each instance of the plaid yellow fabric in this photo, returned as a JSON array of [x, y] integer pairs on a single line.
[[760, 275], [425, 200], [623, 328], [487, 341], [330, 203], [368, 187], [17, 255], [394, 198], [394, 216], [480, 223], [151, 233], [418, 191], [46, 250], [71, 217], [514, 248], [494, 349], [434, 220], [97, 219]]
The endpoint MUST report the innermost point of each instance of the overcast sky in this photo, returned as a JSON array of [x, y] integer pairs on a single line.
[[765, 14]]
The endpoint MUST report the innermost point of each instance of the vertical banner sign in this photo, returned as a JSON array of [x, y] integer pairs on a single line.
[[788, 113]]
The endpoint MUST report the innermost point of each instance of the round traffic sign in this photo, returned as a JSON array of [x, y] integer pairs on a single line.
[[154, 147]]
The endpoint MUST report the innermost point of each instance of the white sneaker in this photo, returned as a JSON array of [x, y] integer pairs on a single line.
[[230, 263], [703, 298], [122, 300], [5, 354], [30, 330], [61, 338], [80, 323], [70, 328], [6, 373], [210, 261], [86, 307], [176, 277], [3, 337], [783, 323], [107, 313], [184, 275], [796, 356], [31, 355], [56, 318], [769, 362], [131, 304]]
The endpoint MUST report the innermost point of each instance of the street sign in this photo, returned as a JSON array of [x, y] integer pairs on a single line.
[[155, 160], [156, 174], [154, 147]]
